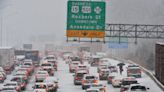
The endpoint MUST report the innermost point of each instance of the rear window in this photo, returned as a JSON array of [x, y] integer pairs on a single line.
[[90, 77], [50, 57], [40, 86], [42, 73], [82, 66], [128, 82], [46, 64], [138, 88], [92, 91], [27, 64], [8, 89], [106, 72], [80, 74], [10, 84]]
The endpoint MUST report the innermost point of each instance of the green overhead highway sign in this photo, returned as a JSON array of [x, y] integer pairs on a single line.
[[86, 19]]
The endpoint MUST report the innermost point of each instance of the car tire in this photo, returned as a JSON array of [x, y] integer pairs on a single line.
[[83, 88]]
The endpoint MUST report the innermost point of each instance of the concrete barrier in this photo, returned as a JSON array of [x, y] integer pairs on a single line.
[[148, 72]]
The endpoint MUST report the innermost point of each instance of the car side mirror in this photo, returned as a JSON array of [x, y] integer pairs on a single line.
[[73, 75], [148, 88]]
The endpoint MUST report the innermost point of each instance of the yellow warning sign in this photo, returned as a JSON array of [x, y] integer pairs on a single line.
[[85, 34]]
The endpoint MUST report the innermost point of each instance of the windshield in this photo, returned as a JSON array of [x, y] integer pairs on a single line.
[[50, 57], [128, 82], [40, 86], [42, 72], [90, 77], [80, 74]]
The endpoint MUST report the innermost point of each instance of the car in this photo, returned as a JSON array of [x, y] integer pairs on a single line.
[[40, 87], [82, 67], [126, 82], [124, 88], [102, 66], [9, 67], [73, 65], [92, 90], [129, 81], [110, 77], [4, 74], [116, 81], [48, 67], [22, 75], [41, 75], [2, 77], [13, 84], [134, 71], [50, 57], [29, 68], [52, 83], [24, 69], [54, 62], [95, 60], [101, 87], [88, 80], [103, 74], [79, 76], [113, 68], [9, 89], [1, 69], [30, 64], [137, 88], [21, 82]]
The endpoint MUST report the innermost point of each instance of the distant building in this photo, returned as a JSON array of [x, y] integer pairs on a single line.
[[159, 63]]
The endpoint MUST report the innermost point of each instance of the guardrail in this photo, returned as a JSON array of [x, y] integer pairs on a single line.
[[149, 73]]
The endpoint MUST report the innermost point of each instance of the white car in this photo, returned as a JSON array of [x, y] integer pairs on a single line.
[[101, 87], [41, 75], [40, 87], [92, 90], [8, 89], [52, 83], [116, 81], [137, 88], [13, 84]]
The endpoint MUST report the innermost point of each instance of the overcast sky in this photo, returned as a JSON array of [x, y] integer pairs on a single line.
[[27, 21]]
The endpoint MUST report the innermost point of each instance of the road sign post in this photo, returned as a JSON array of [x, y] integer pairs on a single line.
[[86, 19]]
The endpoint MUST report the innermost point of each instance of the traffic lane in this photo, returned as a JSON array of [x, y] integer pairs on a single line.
[[109, 87], [66, 79], [31, 82], [145, 80]]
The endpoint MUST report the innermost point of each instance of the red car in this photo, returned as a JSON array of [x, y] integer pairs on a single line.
[[22, 83]]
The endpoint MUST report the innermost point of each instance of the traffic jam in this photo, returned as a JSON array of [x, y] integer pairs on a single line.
[[70, 72]]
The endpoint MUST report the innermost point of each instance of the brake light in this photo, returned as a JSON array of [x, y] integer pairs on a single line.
[[76, 78], [17, 88], [84, 81], [95, 81], [22, 85]]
